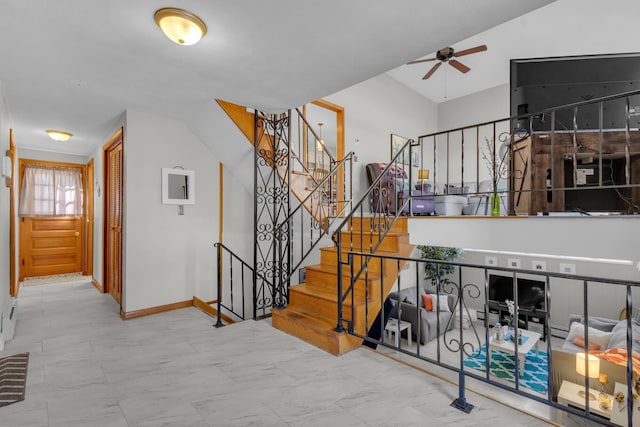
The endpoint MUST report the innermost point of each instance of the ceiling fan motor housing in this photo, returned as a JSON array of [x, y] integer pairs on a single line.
[[445, 54]]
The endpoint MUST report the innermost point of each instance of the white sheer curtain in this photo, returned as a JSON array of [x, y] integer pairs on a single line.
[[51, 191]]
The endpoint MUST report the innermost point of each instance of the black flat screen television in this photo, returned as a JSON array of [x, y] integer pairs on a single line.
[[541, 83], [530, 292]]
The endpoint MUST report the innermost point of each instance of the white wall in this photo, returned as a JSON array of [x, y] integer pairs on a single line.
[[484, 106], [5, 213], [168, 258], [374, 109]]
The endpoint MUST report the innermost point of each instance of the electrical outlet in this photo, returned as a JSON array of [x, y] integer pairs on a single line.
[[567, 268], [491, 260], [539, 265], [513, 263]]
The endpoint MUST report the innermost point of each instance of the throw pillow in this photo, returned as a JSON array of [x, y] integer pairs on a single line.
[[605, 326], [579, 341], [619, 336], [428, 303], [443, 302], [595, 336]]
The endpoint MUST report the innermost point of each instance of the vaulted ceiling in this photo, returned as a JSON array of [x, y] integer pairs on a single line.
[[76, 65]]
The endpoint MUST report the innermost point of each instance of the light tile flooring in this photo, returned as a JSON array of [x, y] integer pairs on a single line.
[[89, 368]]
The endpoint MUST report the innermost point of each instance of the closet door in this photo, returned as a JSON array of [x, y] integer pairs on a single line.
[[113, 217]]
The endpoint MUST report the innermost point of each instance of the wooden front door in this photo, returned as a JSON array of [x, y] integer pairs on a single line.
[[113, 216], [50, 245]]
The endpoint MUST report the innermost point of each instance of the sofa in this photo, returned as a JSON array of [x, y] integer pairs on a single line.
[[394, 190], [412, 309], [606, 338]]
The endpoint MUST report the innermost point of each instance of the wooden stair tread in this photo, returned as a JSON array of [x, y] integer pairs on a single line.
[[314, 330]]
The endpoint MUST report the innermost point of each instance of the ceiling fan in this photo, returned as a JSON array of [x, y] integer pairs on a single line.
[[448, 54]]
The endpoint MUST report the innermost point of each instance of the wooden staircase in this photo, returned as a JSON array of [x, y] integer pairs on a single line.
[[311, 314]]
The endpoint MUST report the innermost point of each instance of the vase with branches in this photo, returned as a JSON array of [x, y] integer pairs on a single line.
[[496, 163]]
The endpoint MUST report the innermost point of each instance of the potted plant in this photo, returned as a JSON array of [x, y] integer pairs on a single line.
[[431, 269]]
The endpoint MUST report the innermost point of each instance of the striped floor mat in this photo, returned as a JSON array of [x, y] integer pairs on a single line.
[[13, 378]]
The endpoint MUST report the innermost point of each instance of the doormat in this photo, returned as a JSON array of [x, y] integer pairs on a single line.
[[13, 378], [535, 374], [56, 278]]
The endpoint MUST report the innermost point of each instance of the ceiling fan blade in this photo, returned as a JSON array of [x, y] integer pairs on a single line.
[[432, 70], [417, 61], [459, 66], [469, 51]]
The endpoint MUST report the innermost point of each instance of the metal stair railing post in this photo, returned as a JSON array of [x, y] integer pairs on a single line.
[[219, 323]]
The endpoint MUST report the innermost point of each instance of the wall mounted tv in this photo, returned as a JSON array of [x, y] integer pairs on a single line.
[[530, 292], [541, 83]]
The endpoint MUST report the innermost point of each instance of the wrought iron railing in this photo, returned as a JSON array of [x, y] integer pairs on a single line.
[[464, 350], [380, 205], [291, 217], [235, 280], [303, 230], [579, 158]]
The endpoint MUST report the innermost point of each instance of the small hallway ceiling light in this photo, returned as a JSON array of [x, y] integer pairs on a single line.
[[320, 142], [180, 26], [58, 135]]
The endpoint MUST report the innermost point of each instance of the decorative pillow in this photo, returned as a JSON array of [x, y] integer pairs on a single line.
[[598, 324], [443, 302], [579, 341], [428, 302], [619, 335], [595, 336]]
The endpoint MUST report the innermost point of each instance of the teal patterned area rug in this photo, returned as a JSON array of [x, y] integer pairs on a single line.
[[502, 366]]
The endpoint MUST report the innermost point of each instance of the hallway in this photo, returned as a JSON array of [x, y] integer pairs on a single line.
[[89, 368]]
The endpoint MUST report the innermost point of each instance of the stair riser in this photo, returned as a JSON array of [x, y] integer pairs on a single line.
[[400, 226], [331, 342], [363, 243], [375, 266], [328, 281], [322, 307]]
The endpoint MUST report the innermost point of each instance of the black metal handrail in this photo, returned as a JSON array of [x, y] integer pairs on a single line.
[[529, 116], [523, 125], [384, 223], [463, 293], [230, 306]]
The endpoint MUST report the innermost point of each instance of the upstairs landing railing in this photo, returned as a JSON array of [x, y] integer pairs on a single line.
[[582, 158]]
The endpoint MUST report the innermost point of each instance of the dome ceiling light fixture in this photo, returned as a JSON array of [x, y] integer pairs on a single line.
[[180, 26], [58, 135]]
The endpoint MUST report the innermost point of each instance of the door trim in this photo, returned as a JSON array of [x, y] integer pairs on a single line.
[[88, 267], [10, 183], [116, 138], [21, 166]]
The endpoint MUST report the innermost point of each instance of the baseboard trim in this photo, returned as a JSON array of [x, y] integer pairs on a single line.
[[206, 308], [154, 310], [97, 285]]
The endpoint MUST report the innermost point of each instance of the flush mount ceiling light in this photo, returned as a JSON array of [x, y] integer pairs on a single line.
[[58, 135], [180, 26]]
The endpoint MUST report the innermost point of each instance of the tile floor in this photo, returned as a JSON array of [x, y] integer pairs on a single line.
[[89, 368]]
